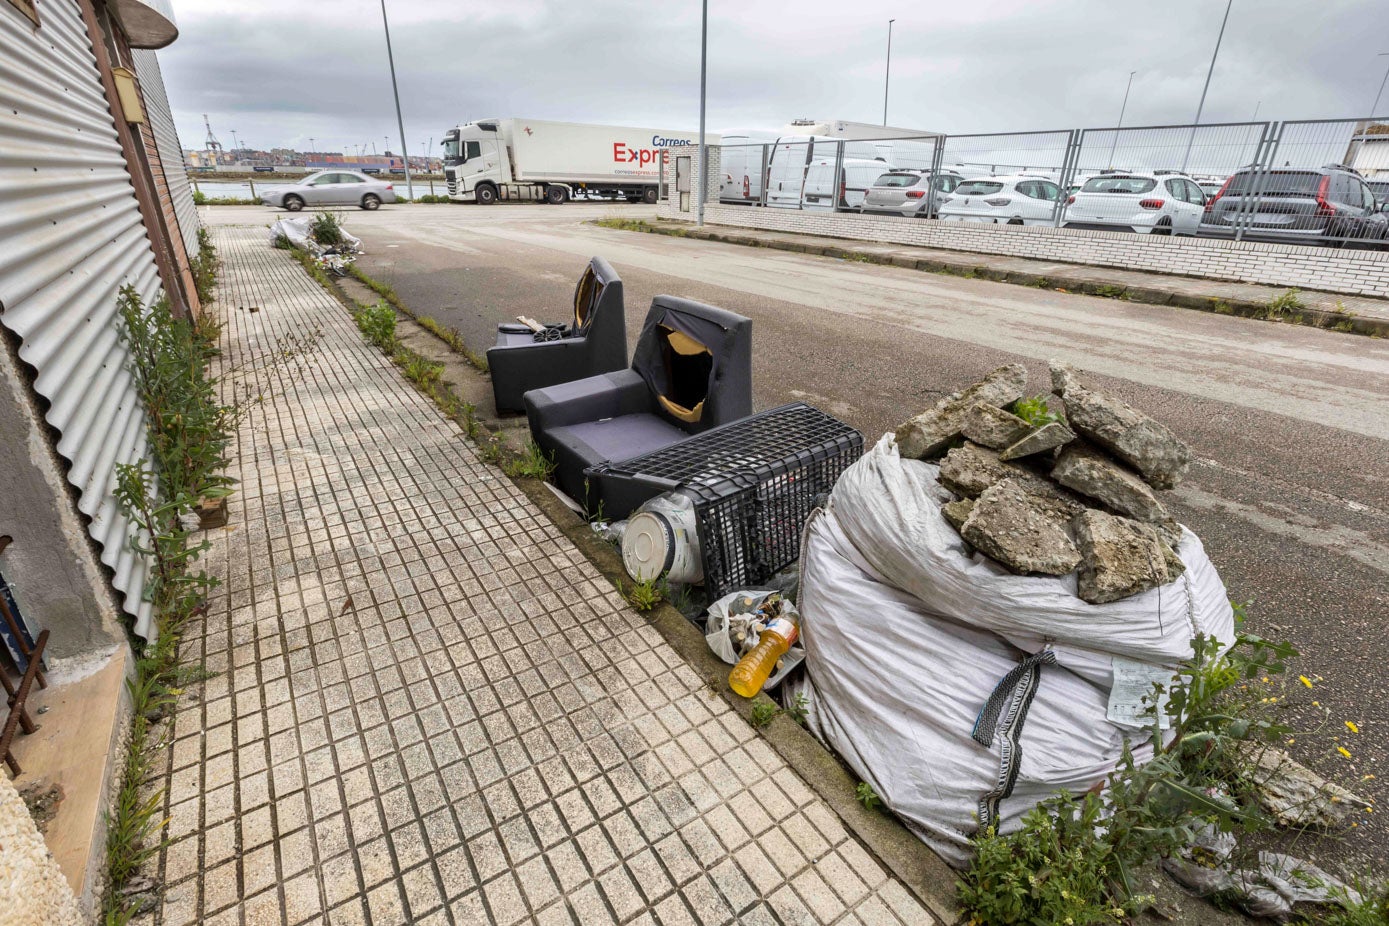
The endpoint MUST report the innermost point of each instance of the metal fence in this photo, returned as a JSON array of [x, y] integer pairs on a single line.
[[1256, 180]]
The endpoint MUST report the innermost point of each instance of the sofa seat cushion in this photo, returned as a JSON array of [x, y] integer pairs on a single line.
[[618, 438]]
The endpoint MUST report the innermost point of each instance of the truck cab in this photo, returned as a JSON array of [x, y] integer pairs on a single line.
[[475, 157]]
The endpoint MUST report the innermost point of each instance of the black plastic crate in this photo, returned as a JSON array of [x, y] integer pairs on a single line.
[[753, 482]]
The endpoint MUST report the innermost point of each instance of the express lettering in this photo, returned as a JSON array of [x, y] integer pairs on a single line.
[[639, 156]]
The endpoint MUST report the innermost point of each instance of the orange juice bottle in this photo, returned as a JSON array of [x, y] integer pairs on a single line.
[[753, 670]]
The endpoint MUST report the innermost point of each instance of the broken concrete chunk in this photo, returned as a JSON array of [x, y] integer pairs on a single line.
[[969, 470], [1047, 437], [1096, 476], [1145, 444], [957, 513], [1121, 557], [1295, 795], [930, 433], [1008, 524], [993, 427]]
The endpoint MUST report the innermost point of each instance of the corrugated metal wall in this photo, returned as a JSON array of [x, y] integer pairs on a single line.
[[161, 119], [72, 236]]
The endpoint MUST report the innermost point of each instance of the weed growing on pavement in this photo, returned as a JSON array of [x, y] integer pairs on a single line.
[[797, 709], [643, 596], [326, 229], [449, 336], [1372, 909], [1221, 307], [1219, 707], [534, 463], [763, 713], [422, 372], [1108, 291], [202, 199], [1035, 411], [866, 796], [1283, 306], [377, 324], [281, 242], [1344, 325], [203, 266]]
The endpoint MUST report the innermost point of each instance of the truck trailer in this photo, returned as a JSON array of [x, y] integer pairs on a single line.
[[494, 160]]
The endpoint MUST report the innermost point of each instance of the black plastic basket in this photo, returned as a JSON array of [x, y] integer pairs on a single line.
[[753, 483]]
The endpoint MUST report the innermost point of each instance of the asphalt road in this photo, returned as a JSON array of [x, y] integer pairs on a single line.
[[1290, 425]]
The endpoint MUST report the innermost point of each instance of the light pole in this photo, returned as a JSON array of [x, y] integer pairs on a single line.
[[400, 119], [312, 145], [1374, 108], [887, 75], [703, 74], [1122, 107], [235, 144], [1209, 71]]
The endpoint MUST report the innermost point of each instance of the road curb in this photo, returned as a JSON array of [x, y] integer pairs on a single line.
[[1306, 316]]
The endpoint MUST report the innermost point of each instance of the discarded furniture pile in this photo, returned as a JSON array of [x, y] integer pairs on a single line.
[[987, 602]]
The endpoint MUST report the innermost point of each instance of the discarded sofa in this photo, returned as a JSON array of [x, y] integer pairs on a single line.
[[596, 342], [691, 371]]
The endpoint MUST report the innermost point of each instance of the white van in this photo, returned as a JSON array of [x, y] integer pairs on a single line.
[[740, 163], [856, 175]]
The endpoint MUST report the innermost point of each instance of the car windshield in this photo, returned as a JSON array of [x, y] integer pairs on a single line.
[[1118, 185], [897, 180], [977, 188], [1276, 183]]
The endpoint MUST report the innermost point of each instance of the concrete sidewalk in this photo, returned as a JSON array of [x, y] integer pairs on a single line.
[[1360, 314], [429, 707]]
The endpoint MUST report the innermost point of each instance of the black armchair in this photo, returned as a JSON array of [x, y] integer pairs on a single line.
[[595, 343], [691, 371]]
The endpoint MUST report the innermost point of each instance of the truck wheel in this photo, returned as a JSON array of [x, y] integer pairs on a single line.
[[556, 195], [648, 196], [293, 203], [485, 194]]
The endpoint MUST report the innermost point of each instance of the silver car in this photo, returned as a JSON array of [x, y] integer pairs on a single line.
[[904, 192], [331, 188]]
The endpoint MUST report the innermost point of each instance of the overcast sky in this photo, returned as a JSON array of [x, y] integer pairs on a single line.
[[281, 71]]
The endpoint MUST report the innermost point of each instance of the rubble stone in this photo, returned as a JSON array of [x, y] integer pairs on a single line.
[[1047, 437], [1145, 444], [930, 433], [1083, 469], [993, 427], [1293, 794], [1120, 557], [957, 512], [1008, 524], [970, 470]]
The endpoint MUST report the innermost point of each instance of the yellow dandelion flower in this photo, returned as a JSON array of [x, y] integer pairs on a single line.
[[1343, 751], [1350, 725], [1305, 680]]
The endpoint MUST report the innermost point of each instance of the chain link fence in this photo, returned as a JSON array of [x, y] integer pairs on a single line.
[[1300, 182]]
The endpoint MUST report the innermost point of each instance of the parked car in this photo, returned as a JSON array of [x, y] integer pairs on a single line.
[[1151, 203], [1330, 204], [906, 192], [823, 191], [1381, 190], [1009, 200], [331, 188]]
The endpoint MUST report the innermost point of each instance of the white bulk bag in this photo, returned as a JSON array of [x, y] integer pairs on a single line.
[[897, 692], [889, 509]]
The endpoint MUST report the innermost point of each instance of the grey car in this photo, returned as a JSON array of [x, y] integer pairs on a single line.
[[331, 188], [1319, 205], [904, 192]]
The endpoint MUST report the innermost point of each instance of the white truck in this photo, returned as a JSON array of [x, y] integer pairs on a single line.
[[532, 159]]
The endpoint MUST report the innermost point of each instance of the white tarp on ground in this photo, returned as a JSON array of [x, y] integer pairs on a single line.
[[965, 694]]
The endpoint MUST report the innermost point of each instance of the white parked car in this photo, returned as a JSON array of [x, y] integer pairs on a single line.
[[331, 188], [1158, 203], [1012, 200], [907, 192], [856, 175]]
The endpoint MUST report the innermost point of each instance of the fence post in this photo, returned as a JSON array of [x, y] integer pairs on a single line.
[[1074, 142], [837, 184], [937, 160], [1263, 165], [252, 182], [766, 166]]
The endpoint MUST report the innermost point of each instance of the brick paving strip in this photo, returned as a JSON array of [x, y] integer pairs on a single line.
[[429, 707]]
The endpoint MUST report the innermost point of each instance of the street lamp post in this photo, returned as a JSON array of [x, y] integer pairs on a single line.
[[1209, 71], [887, 75], [1122, 108], [703, 74], [1374, 108], [400, 119]]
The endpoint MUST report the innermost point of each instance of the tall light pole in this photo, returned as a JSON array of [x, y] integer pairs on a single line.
[[1122, 107], [235, 144], [887, 75], [1209, 71], [1374, 108], [703, 74], [400, 119]]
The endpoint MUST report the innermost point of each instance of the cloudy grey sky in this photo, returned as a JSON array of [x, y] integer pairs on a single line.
[[282, 71]]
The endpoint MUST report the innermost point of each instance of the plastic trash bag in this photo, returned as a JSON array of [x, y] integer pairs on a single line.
[[733, 626]]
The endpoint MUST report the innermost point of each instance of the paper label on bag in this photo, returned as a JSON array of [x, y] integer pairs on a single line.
[[1131, 699]]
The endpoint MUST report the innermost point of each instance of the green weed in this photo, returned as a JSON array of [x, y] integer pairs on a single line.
[[1221, 307], [533, 464], [1283, 306], [377, 324], [1034, 411], [643, 596], [326, 229], [1108, 291], [866, 796], [797, 709], [203, 266], [763, 713]]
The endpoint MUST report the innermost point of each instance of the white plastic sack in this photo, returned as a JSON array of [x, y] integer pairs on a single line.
[[889, 509], [296, 231], [732, 628], [897, 691]]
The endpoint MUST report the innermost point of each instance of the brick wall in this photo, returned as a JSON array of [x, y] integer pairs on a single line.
[[1363, 273]]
